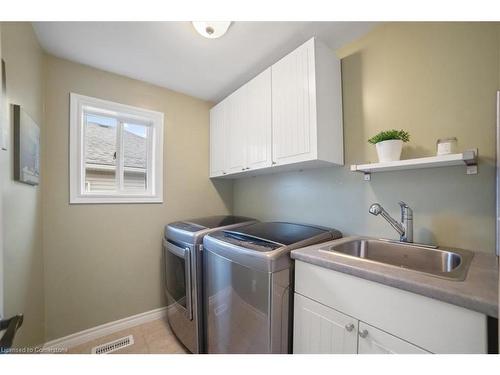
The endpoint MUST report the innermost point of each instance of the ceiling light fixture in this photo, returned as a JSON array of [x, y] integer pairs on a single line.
[[211, 29]]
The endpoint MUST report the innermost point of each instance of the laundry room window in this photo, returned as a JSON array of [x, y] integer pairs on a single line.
[[116, 152]]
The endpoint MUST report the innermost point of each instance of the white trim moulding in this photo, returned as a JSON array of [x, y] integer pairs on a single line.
[[93, 333]]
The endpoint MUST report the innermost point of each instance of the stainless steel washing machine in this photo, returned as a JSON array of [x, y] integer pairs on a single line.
[[248, 285], [182, 259]]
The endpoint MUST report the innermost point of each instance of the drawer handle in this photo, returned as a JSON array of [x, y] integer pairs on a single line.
[[349, 327], [363, 333]]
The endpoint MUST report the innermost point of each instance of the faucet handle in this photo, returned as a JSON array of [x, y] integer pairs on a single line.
[[405, 210]]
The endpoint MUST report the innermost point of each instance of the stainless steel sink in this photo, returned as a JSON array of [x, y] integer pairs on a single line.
[[444, 263]]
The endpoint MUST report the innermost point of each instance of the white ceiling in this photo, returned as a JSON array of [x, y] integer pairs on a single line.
[[173, 55]]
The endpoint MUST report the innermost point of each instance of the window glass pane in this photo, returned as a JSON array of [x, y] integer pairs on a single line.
[[135, 155], [100, 153]]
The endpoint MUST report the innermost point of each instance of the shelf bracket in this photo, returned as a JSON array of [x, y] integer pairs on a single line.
[[472, 162], [367, 176], [472, 169]]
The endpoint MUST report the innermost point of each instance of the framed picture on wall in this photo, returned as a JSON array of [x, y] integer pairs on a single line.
[[26, 147]]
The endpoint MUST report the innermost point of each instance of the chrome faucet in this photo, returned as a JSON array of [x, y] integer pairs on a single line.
[[405, 228]]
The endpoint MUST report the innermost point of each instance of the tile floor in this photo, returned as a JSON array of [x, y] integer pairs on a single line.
[[154, 337]]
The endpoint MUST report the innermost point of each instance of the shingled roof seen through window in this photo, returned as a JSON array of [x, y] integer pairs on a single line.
[[101, 146]]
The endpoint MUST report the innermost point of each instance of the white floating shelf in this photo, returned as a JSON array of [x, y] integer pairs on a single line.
[[467, 158]]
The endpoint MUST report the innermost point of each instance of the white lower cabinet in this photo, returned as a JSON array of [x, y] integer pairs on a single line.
[[375, 341], [319, 329], [385, 319]]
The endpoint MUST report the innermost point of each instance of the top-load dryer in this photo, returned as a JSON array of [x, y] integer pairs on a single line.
[[248, 285], [182, 244]]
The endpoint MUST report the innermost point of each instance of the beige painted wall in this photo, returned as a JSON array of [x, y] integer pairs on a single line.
[[21, 203], [432, 79], [103, 262]]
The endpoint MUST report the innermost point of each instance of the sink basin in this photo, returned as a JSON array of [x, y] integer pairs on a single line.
[[444, 263]]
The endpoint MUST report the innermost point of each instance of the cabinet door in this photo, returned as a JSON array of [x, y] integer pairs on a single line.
[[293, 106], [375, 341], [321, 330], [234, 106], [217, 141], [258, 121]]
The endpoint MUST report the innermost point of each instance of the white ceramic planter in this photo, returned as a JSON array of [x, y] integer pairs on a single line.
[[389, 150]]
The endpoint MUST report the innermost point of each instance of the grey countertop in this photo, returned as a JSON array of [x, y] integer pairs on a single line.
[[478, 292]]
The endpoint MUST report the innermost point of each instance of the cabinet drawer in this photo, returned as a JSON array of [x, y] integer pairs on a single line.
[[436, 326]]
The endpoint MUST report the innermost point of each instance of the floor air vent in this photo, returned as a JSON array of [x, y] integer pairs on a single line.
[[113, 345]]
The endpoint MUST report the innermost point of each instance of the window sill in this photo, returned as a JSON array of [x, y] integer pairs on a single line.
[[115, 200]]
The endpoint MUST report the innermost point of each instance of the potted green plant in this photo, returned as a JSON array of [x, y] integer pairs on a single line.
[[389, 144]]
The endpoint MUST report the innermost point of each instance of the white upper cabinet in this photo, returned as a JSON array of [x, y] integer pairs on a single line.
[[236, 131], [307, 106], [258, 122], [289, 116], [240, 129], [294, 127], [217, 141]]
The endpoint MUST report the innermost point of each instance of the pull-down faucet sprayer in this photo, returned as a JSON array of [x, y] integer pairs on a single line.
[[405, 228]]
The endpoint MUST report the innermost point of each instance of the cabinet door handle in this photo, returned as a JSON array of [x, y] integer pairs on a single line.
[[363, 333], [349, 327]]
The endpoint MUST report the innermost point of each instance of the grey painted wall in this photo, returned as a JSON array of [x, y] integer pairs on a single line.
[[432, 79], [338, 198]]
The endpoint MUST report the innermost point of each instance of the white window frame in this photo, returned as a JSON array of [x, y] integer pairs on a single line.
[[124, 113]]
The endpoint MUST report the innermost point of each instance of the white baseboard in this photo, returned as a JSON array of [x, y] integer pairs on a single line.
[[90, 334]]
